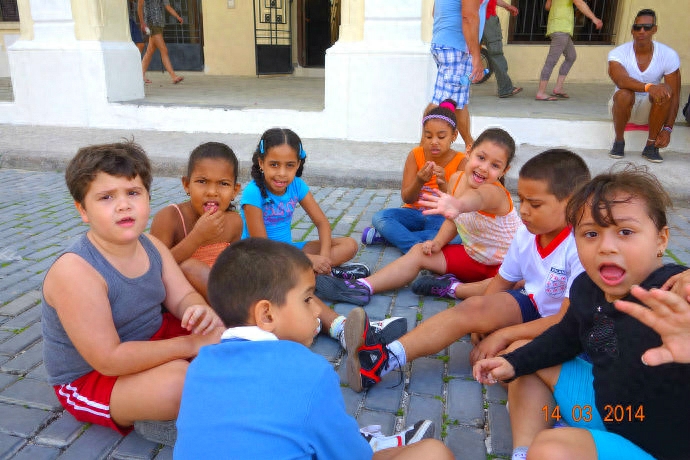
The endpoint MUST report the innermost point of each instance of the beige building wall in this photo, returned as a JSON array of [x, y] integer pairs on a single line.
[[525, 61], [229, 37]]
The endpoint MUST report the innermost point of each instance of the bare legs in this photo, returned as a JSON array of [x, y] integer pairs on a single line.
[[406, 268], [623, 102], [156, 42]]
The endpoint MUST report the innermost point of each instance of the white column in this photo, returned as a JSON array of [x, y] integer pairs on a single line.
[[67, 67], [378, 87]]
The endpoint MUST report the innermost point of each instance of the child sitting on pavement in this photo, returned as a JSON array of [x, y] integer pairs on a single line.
[[112, 357], [615, 406], [543, 254], [271, 396], [211, 184], [487, 224], [428, 167]]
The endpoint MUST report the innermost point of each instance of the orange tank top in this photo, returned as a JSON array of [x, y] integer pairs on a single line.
[[431, 184], [206, 254]]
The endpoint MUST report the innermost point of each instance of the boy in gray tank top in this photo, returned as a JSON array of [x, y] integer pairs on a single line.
[[111, 355]]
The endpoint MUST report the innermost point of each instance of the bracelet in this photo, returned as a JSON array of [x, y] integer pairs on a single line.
[[668, 128], [646, 87]]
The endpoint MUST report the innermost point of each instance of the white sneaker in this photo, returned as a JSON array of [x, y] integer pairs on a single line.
[[388, 330], [423, 429]]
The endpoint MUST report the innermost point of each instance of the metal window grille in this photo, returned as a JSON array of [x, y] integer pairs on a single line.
[[530, 25], [9, 11]]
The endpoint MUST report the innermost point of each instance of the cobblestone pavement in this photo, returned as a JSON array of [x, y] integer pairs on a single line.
[[39, 220]]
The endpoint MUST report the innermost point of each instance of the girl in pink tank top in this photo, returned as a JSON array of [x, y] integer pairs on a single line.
[[198, 230]]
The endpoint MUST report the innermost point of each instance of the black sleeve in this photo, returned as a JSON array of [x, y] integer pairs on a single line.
[[556, 345]]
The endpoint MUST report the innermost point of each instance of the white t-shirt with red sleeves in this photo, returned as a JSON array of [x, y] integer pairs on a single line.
[[548, 272]]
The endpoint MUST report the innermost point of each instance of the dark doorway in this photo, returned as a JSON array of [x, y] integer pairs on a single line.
[[273, 36], [184, 41], [318, 30]]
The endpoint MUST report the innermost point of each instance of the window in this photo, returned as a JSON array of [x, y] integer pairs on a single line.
[[9, 11], [530, 25]]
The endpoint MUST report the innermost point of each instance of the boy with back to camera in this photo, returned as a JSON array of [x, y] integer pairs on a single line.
[[261, 393], [542, 254], [112, 357]]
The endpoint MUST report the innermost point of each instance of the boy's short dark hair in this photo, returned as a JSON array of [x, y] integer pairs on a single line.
[[121, 159], [563, 171], [646, 12], [598, 195], [250, 270]]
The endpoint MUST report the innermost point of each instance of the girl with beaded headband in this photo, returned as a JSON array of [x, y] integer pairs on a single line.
[[428, 167], [269, 202]]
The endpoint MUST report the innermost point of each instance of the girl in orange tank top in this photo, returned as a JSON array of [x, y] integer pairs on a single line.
[[428, 167], [198, 230]]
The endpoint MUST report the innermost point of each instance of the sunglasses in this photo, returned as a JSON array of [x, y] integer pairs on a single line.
[[638, 27]]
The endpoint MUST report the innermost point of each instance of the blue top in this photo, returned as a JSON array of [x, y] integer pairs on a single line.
[[265, 400], [277, 209], [135, 304], [448, 24]]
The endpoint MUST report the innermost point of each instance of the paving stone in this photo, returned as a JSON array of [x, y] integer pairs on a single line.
[[22, 421], [459, 363], [34, 452], [327, 347], [423, 407], [38, 373], [166, 453], [96, 443], [134, 447], [468, 441], [21, 303], [25, 319], [386, 395], [353, 401], [20, 341], [30, 392], [465, 402], [385, 419], [427, 376], [432, 306], [496, 393], [24, 360], [9, 445], [7, 379], [499, 429], [61, 432]]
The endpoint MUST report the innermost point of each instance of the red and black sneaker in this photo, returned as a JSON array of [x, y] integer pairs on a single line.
[[367, 354]]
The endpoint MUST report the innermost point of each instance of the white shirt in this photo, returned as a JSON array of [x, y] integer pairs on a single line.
[[548, 272], [664, 61]]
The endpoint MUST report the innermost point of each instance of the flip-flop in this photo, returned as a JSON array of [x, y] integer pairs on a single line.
[[560, 95], [177, 80], [146, 80], [513, 92], [546, 99]]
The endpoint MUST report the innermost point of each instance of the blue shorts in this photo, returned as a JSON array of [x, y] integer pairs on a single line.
[[574, 395], [527, 308], [135, 31], [452, 65]]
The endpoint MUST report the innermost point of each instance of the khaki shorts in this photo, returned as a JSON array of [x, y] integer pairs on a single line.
[[640, 110]]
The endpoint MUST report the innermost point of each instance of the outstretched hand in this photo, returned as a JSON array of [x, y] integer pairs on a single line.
[[669, 315], [440, 203]]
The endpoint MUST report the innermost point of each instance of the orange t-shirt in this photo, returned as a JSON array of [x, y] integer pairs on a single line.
[[431, 184]]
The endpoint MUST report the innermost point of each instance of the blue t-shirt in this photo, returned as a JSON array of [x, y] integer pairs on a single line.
[[277, 209], [271, 399], [447, 29]]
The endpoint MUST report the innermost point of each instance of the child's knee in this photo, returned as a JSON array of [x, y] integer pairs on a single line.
[[548, 445], [170, 382]]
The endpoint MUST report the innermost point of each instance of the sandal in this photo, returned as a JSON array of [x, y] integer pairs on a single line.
[[560, 95], [513, 92], [546, 99]]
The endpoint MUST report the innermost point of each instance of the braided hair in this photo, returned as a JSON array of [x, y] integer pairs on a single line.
[[272, 138]]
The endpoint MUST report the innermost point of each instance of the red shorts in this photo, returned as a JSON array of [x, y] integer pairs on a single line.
[[88, 397], [464, 267]]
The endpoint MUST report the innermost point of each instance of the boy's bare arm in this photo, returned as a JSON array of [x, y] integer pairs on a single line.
[[85, 314], [181, 299]]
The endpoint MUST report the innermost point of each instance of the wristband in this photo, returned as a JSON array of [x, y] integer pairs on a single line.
[[646, 87], [668, 128]]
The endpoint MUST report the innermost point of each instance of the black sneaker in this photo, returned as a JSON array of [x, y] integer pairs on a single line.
[[354, 292], [440, 286], [651, 153], [351, 271], [618, 150], [423, 429], [367, 355], [387, 330]]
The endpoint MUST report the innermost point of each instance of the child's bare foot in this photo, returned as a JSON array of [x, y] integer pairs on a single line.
[[177, 79]]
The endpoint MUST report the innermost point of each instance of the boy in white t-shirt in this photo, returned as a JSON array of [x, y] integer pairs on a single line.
[[543, 254]]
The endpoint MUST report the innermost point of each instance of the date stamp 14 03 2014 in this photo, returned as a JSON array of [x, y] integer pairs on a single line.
[[612, 413]]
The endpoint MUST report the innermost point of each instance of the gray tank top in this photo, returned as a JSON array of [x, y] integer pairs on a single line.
[[135, 304]]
